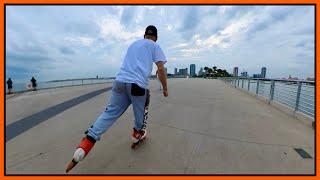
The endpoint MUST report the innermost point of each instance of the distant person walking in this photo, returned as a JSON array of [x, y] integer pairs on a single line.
[[129, 87], [34, 84], [9, 83]]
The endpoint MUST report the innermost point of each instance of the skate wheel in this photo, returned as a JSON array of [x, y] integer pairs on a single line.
[[71, 165], [134, 145]]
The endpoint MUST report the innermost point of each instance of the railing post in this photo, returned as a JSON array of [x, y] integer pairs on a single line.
[[298, 96], [238, 82], [271, 91], [242, 84], [257, 89], [82, 82], [248, 84]]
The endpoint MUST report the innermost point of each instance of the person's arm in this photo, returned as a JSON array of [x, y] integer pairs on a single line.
[[162, 77]]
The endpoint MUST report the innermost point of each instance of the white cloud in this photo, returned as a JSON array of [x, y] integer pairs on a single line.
[[223, 9], [169, 27], [191, 50], [86, 41], [111, 29], [140, 15], [162, 12], [221, 39], [180, 45], [81, 40], [213, 41], [224, 37], [118, 9], [150, 7], [185, 57], [237, 26]]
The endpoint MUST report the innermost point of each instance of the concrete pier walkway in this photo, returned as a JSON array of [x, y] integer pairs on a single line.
[[203, 127]]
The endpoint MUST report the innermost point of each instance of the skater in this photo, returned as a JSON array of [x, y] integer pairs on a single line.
[[9, 83], [129, 87], [34, 83]]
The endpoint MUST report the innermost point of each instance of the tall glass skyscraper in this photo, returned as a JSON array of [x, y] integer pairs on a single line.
[[192, 70], [263, 72], [235, 71]]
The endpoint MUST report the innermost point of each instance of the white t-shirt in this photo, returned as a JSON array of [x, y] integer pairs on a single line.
[[137, 65]]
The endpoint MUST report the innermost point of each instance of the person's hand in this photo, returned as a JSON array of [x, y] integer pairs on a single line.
[[165, 93]]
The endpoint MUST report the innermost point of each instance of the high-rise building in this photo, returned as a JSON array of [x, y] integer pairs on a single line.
[[263, 72], [235, 71], [192, 70], [256, 75], [244, 74], [200, 73], [183, 72], [310, 79], [175, 71], [166, 70]]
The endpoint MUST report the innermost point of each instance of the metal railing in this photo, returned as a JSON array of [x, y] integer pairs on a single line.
[[295, 94], [22, 87]]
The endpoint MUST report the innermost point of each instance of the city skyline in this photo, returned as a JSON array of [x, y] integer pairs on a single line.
[[243, 73], [68, 42]]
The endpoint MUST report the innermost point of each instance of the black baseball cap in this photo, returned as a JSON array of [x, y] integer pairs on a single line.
[[152, 31]]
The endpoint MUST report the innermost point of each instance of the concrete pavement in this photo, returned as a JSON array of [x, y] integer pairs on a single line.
[[203, 127]]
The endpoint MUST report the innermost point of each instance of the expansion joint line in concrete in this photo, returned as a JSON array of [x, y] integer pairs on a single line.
[[14, 129], [233, 139]]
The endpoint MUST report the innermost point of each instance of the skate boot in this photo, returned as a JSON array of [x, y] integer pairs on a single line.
[[138, 137], [82, 150]]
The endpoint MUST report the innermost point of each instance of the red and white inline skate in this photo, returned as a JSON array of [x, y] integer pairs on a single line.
[[138, 137]]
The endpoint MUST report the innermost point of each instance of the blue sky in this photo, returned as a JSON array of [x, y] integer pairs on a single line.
[[59, 42]]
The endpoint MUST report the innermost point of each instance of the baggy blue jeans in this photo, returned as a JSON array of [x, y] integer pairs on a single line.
[[123, 94]]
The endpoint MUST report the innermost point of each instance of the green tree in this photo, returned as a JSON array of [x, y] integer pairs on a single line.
[[215, 72], [206, 71], [214, 68]]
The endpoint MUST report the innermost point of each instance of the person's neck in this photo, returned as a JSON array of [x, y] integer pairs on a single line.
[[150, 39]]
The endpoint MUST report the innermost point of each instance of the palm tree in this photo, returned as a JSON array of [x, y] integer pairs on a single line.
[[206, 71], [214, 68], [219, 71], [210, 71], [224, 73], [215, 72]]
